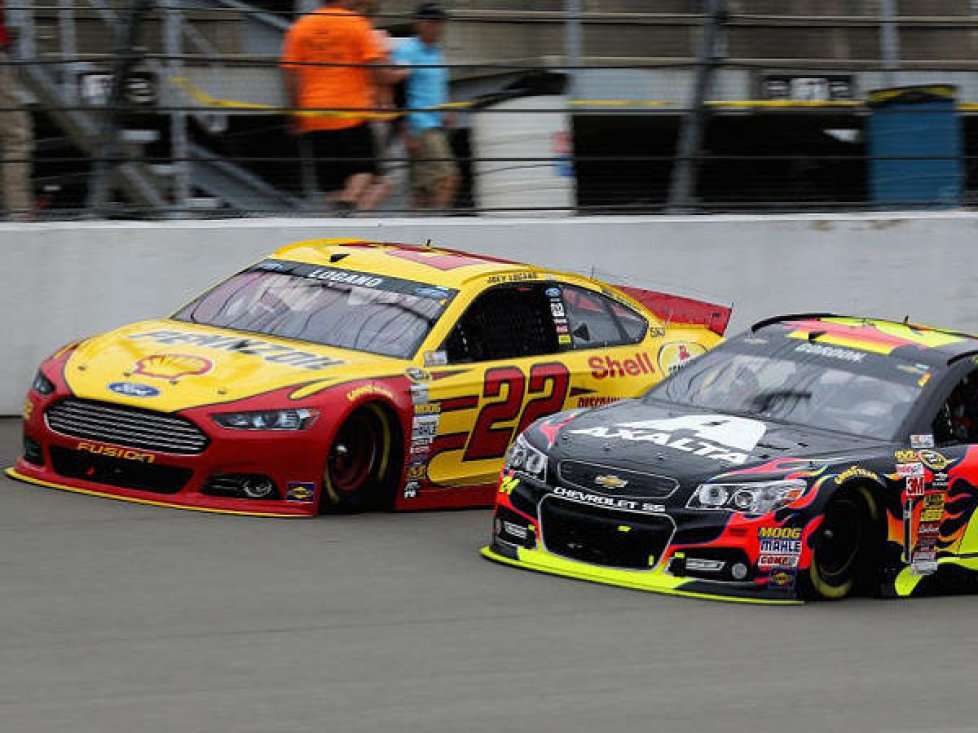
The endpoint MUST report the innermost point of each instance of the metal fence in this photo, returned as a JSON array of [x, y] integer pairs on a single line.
[[175, 108]]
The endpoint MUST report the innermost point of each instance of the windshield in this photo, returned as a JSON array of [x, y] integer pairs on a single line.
[[324, 305], [802, 383]]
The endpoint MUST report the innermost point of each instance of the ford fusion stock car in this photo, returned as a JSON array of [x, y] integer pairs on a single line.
[[812, 457], [342, 374]]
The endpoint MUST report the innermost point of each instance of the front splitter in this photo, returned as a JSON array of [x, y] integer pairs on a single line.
[[654, 581], [14, 474]]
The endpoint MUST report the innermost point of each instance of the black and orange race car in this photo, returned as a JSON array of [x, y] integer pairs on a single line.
[[812, 457], [342, 374]]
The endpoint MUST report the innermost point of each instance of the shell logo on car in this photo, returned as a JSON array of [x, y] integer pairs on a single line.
[[172, 366]]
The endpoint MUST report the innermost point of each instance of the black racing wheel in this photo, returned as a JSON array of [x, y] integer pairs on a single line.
[[358, 464], [842, 556]]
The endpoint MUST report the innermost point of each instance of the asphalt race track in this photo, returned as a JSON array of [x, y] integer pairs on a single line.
[[117, 617]]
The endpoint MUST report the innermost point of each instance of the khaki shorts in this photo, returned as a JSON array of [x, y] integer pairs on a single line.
[[431, 161]]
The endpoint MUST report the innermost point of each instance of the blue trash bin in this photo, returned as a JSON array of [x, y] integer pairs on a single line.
[[916, 147]]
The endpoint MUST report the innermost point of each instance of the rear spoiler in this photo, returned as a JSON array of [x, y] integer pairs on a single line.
[[678, 309]]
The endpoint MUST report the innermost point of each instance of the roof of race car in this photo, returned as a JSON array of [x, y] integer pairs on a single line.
[[875, 335], [432, 265]]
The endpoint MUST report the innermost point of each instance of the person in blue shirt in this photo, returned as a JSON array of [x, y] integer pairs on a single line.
[[434, 173]]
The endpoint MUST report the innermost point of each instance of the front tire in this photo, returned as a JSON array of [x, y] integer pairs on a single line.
[[358, 463], [843, 554]]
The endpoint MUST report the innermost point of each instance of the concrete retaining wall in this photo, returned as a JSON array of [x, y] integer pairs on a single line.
[[64, 280]]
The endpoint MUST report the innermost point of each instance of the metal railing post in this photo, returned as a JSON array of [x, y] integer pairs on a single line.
[[179, 149], [126, 55], [889, 41], [572, 37], [69, 51], [685, 171]]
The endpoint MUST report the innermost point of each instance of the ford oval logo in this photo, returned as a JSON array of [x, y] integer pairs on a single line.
[[131, 389]]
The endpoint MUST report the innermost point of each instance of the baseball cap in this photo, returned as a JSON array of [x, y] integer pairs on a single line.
[[431, 11]]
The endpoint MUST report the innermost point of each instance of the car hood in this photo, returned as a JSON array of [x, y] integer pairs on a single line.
[[170, 365], [692, 445]]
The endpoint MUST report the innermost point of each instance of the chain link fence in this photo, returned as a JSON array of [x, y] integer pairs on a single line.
[[176, 108]]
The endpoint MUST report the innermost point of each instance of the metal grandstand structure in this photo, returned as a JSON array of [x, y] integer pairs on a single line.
[[169, 108]]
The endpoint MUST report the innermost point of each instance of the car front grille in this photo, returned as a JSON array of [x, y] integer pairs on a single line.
[[603, 536], [128, 426], [121, 472], [637, 484]]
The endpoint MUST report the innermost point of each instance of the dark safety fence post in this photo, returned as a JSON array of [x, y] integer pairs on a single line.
[[685, 171]]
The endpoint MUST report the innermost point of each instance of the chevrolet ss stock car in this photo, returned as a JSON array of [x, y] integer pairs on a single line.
[[812, 457], [342, 375]]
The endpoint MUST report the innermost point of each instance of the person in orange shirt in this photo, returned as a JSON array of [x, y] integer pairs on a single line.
[[328, 62]]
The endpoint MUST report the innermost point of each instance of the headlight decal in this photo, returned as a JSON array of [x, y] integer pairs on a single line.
[[42, 385], [273, 420], [752, 499]]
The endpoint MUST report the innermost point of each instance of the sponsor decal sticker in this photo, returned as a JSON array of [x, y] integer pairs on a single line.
[[412, 489], [909, 469], [933, 510], [916, 487], [369, 390], [419, 394], [516, 277], [675, 355], [417, 375], [28, 409], [906, 456], [921, 441], [784, 579], [435, 358], [172, 366], [830, 352], [132, 389], [272, 353], [507, 483], [552, 292], [301, 492], [933, 460], [611, 481], [609, 368], [345, 277], [111, 451], [855, 472], [598, 401], [770, 561], [718, 437], [587, 497], [557, 309], [564, 339]]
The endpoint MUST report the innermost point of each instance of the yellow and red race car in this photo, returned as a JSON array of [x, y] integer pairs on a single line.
[[341, 375]]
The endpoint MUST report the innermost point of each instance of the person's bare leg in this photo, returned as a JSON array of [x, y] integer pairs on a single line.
[[445, 191], [375, 194], [355, 187]]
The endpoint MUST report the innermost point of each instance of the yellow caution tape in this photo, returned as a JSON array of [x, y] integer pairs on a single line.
[[209, 100]]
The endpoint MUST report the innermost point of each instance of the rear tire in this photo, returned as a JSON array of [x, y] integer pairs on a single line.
[[843, 556], [359, 462]]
